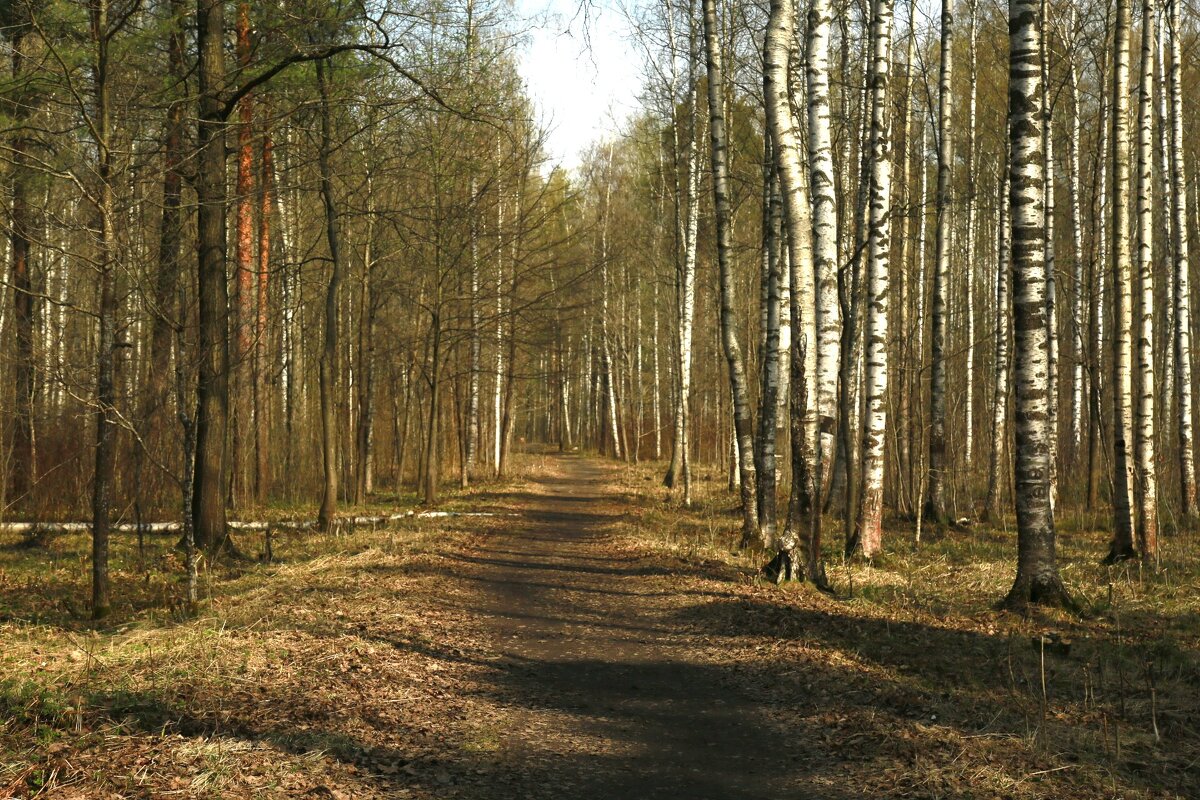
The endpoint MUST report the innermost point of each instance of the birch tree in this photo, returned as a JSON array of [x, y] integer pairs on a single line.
[[1037, 579], [1000, 365], [935, 498], [1146, 483], [1181, 285], [824, 240], [743, 429], [1122, 546], [1051, 277], [779, 50], [868, 535]]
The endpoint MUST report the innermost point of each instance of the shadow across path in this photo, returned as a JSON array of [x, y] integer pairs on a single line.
[[598, 676]]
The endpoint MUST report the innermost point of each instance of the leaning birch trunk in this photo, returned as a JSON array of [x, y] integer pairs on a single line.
[[824, 238], [1182, 291], [1121, 546], [1000, 367], [935, 498], [868, 534], [1037, 579], [779, 50], [1146, 483], [743, 429]]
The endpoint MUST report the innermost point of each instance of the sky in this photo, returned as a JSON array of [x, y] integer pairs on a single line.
[[584, 79]]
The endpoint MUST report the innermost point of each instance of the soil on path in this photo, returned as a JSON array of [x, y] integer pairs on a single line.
[[606, 693]]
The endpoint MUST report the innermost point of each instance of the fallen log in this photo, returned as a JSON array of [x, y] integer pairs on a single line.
[[32, 529]]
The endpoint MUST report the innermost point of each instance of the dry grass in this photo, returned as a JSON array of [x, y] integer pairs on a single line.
[[260, 695], [354, 668], [912, 666]]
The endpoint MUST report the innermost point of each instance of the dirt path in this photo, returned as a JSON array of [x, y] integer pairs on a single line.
[[604, 691]]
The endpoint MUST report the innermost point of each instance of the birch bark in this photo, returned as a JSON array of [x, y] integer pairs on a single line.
[[1121, 258], [1037, 579], [733, 352], [1182, 289], [868, 535], [935, 498]]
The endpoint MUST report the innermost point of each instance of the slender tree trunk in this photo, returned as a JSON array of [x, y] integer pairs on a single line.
[[1182, 290], [1037, 579], [243, 283], [764, 451], [1000, 367], [1051, 276], [920, 303], [969, 267], [681, 457], [868, 534], [824, 238], [904, 424], [476, 345], [23, 476], [779, 50], [1077, 309], [328, 361], [1122, 546], [733, 352], [106, 412], [1166, 255], [169, 267], [1097, 266], [1146, 482], [364, 434], [262, 402], [212, 406], [935, 499], [606, 344]]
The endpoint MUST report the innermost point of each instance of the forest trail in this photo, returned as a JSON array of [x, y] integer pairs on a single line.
[[589, 641], [613, 699]]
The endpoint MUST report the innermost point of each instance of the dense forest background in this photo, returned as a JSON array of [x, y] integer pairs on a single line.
[[263, 255]]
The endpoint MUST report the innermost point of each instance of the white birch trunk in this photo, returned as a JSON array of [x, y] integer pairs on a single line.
[[1077, 281], [971, 212], [1051, 278], [1182, 290], [1037, 579], [1121, 259], [824, 240], [779, 49], [1000, 367], [935, 499], [733, 352], [1146, 485], [869, 527]]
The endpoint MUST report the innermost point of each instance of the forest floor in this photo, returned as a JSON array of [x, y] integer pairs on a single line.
[[592, 640]]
